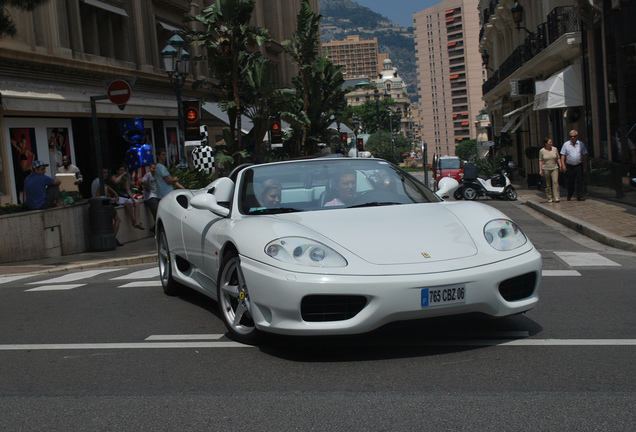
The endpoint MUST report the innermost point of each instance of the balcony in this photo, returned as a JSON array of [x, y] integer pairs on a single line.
[[561, 20]]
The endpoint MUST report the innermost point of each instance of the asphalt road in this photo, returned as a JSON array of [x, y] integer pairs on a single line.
[[109, 351]]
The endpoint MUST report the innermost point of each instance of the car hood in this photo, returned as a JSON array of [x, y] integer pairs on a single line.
[[389, 235]]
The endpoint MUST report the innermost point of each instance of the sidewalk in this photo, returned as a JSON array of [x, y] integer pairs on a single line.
[[598, 217]]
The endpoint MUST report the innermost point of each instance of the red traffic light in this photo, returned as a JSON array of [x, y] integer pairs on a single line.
[[360, 144], [276, 132]]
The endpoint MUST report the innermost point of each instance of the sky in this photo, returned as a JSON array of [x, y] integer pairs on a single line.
[[398, 11]]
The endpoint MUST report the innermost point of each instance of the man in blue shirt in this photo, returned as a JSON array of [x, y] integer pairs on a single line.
[[41, 191], [165, 182], [574, 162]]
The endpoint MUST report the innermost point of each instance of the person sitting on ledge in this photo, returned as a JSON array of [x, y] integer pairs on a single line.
[[42, 192]]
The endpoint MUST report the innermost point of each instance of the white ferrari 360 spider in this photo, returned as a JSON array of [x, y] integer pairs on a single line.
[[334, 246]]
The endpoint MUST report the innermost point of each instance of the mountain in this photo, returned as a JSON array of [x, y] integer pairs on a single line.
[[346, 17]]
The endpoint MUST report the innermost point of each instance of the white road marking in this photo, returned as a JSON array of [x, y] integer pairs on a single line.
[[560, 273], [60, 287], [134, 345], [585, 259], [185, 337], [72, 277], [6, 279], [142, 274], [230, 344], [152, 283]]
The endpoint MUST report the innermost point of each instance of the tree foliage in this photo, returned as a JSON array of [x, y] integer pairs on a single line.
[[467, 150], [225, 39], [7, 26], [317, 94]]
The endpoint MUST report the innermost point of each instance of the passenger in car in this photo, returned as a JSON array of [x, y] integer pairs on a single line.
[[344, 188], [270, 193]]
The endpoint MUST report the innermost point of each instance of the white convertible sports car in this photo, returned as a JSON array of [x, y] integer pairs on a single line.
[[336, 246]]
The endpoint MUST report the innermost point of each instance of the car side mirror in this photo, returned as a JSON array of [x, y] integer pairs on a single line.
[[447, 185], [208, 202]]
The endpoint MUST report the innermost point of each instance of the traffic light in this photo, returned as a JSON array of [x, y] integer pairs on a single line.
[[192, 121], [343, 139], [276, 132], [360, 144]]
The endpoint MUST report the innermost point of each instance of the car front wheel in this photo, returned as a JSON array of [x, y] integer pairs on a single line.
[[234, 301], [170, 286]]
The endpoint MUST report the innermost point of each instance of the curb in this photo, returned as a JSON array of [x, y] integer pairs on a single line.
[[597, 234], [141, 259]]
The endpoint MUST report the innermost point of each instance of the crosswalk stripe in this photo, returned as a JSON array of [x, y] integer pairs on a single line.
[[141, 284], [60, 287], [142, 274], [72, 277], [560, 273], [6, 279], [585, 259]]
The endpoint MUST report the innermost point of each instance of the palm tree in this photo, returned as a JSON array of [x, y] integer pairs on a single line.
[[225, 39], [303, 49]]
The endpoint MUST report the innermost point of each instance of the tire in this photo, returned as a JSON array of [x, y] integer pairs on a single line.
[[511, 194], [234, 301], [470, 193], [170, 286], [458, 194]]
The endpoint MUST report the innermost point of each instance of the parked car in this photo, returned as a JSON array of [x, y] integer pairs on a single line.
[[333, 246], [449, 166]]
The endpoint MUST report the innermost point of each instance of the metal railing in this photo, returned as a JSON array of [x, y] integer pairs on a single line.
[[561, 20]]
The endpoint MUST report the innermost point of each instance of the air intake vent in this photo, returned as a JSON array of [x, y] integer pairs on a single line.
[[519, 287], [324, 308]]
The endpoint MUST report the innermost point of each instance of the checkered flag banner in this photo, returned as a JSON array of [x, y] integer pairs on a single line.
[[203, 159]]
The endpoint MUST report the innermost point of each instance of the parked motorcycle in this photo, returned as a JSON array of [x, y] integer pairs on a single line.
[[498, 185]]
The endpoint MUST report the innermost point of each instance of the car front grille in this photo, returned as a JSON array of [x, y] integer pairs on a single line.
[[519, 287], [324, 308]]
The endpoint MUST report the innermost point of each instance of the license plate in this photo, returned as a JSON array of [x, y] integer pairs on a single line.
[[443, 296]]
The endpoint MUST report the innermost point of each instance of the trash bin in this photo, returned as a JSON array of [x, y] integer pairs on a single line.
[[100, 222]]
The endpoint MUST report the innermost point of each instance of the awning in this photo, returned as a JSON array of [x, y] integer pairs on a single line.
[[514, 115], [40, 97], [216, 111], [166, 26], [563, 89], [107, 7], [524, 116], [518, 110]]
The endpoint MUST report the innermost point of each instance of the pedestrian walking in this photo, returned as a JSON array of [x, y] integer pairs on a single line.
[[549, 169], [574, 163]]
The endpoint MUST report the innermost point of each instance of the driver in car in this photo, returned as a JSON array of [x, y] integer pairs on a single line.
[[269, 196], [344, 184]]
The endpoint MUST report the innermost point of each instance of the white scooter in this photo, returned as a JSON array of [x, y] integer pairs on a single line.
[[498, 185]]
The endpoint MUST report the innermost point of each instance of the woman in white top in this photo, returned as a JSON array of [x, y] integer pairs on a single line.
[[549, 169]]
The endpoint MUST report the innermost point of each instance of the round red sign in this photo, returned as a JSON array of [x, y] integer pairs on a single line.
[[119, 92]]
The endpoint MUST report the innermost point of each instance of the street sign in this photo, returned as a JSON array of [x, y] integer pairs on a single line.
[[119, 92]]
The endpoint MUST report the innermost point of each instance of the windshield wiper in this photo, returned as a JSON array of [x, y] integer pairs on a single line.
[[375, 204], [263, 210]]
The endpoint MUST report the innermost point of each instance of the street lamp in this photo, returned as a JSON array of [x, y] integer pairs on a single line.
[[517, 16], [485, 59], [177, 64]]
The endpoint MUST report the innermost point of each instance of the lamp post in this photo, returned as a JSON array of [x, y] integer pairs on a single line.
[[356, 123], [376, 96], [177, 64]]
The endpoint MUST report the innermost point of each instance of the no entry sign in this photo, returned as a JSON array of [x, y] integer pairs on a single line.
[[119, 92]]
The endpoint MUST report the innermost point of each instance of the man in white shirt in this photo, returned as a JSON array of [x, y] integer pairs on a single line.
[[149, 184], [574, 163]]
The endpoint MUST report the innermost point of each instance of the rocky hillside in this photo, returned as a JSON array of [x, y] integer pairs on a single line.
[[346, 17]]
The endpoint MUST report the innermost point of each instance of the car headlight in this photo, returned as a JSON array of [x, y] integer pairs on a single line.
[[504, 235], [302, 251]]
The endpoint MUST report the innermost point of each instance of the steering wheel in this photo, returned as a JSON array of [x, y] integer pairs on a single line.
[[381, 197]]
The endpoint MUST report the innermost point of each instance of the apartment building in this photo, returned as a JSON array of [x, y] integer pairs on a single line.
[[450, 74], [68, 50], [359, 58]]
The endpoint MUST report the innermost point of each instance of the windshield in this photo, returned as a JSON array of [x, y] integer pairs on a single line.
[[324, 184], [450, 163]]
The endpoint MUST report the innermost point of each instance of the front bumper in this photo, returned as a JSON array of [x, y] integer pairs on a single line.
[[276, 295]]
